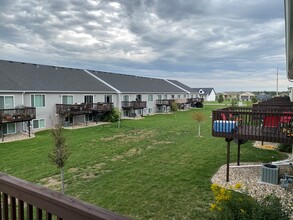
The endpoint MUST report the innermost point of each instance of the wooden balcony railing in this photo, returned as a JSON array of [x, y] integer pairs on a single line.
[[17, 114], [84, 108], [21, 200], [167, 102], [133, 104], [254, 124], [73, 109], [194, 100], [103, 107]]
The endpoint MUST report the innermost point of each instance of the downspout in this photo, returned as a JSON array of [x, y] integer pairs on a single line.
[[22, 98]]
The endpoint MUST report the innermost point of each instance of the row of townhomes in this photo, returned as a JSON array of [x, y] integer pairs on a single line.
[[32, 96]]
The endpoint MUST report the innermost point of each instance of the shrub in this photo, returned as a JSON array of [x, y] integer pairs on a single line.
[[230, 205], [220, 98], [112, 116], [174, 107], [285, 148], [234, 103]]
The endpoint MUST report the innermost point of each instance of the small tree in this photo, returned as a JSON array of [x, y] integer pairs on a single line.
[[174, 107], [234, 103], [198, 117], [221, 99], [60, 153], [253, 99]]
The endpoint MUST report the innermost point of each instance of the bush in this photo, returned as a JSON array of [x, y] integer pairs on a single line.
[[112, 116], [285, 148], [230, 205], [234, 103], [220, 98], [174, 107]]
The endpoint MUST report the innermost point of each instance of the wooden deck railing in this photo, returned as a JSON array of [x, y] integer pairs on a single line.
[[195, 102], [21, 200], [167, 102], [17, 114], [133, 104], [254, 124], [103, 107], [84, 108]]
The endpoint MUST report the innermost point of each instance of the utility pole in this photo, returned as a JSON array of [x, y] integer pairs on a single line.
[[277, 82]]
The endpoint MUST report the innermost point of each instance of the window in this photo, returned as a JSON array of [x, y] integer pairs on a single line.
[[150, 110], [88, 99], [38, 123], [6, 102], [108, 98], [150, 98], [38, 100], [184, 96], [9, 128], [67, 99], [178, 96], [165, 96], [159, 97], [172, 96], [126, 98]]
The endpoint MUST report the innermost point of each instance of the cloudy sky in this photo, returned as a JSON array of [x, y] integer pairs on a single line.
[[225, 44]]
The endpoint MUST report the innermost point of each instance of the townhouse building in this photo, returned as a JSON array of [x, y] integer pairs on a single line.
[[78, 95]]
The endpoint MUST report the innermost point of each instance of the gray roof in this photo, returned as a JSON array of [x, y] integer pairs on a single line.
[[17, 76], [137, 84], [183, 86], [206, 90]]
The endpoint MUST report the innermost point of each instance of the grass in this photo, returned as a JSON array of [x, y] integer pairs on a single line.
[[155, 168]]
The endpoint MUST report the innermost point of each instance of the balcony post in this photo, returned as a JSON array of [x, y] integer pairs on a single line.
[[238, 156], [228, 140], [29, 128]]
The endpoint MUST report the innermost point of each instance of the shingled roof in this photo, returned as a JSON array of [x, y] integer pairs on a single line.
[[137, 84], [17, 76], [183, 86]]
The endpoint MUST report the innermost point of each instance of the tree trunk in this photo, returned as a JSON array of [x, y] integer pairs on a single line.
[[62, 180], [199, 129]]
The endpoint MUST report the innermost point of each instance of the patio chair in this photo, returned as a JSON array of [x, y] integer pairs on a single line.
[[271, 124]]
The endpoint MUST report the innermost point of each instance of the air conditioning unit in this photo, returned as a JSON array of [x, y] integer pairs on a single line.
[[270, 174]]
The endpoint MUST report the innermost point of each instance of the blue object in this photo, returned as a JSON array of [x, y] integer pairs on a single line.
[[225, 126]]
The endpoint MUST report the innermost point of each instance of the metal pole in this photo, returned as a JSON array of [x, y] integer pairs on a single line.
[[238, 156], [228, 158], [29, 128]]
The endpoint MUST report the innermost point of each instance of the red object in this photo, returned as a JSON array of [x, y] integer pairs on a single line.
[[271, 121]]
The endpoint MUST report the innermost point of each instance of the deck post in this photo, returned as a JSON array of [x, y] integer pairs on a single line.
[[228, 159], [2, 132], [238, 156], [29, 128]]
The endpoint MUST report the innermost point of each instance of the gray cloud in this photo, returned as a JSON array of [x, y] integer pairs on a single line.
[[202, 43]]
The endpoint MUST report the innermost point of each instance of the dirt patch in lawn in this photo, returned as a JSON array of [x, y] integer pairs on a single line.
[[52, 182], [133, 135]]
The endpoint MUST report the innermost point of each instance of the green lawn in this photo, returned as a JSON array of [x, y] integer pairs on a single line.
[[154, 168]]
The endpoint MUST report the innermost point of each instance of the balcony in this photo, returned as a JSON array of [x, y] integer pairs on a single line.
[[17, 115], [73, 109], [133, 104], [195, 102], [272, 124], [102, 107], [20, 198], [166, 102]]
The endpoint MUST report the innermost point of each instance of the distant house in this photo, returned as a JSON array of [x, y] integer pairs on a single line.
[[208, 94], [241, 96]]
